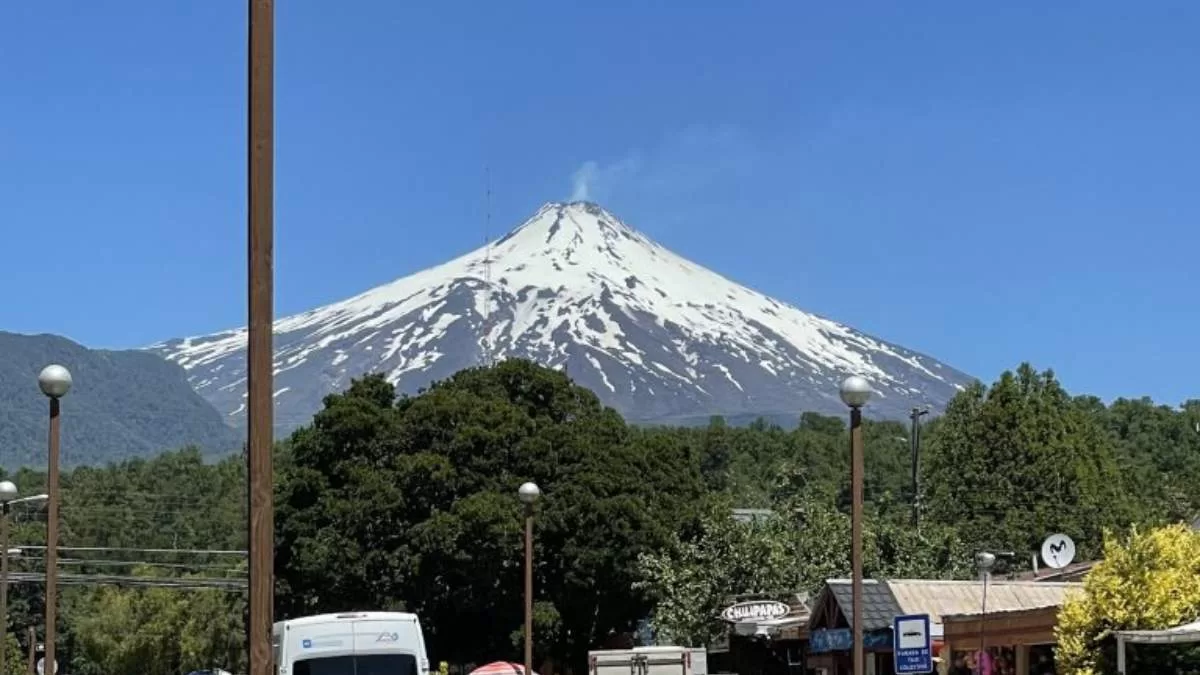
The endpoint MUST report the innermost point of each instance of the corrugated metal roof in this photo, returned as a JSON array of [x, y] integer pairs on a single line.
[[883, 601], [938, 598], [1073, 572]]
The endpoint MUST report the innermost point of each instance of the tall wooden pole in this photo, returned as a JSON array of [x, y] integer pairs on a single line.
[[856, 535], [260, 175]]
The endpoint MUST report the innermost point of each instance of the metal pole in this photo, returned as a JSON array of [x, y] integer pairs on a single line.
[[983, 625], [52, 540], [529, 589], [916, 415], [856, 534], [260, 195], [3, 586]]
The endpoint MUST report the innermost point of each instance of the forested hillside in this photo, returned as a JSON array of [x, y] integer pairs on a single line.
[[123, 404]]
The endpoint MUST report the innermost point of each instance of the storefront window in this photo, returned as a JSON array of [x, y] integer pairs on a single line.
[[1041, 660], [997, 661]]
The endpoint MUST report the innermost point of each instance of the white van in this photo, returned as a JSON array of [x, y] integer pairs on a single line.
[[353, 643]]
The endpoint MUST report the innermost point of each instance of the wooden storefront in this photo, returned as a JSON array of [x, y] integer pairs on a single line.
[[1022, 640]]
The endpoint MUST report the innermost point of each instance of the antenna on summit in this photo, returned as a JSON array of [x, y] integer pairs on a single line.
[[487, 271]]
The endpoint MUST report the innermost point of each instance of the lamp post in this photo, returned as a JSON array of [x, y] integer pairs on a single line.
[[8, 497], [55, 382], [8, 492], [855, 392], [529, 493], [984, 562]]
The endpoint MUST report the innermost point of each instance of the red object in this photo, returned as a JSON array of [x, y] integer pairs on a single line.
[[984, 660], [500, 668]]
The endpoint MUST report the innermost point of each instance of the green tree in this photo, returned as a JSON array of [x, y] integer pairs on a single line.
[[1010, 464], [1159, 450], [411, 503], [14, 659], [158, 630], [1149, 580], [691, 580], [803, 543]]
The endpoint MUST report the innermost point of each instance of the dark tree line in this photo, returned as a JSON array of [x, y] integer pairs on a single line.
[[389, 502]]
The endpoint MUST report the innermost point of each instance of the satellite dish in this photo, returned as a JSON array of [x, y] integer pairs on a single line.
[[41, 666], [1058, 550]]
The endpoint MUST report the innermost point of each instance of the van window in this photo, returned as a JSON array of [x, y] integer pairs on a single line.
[[366, 664]]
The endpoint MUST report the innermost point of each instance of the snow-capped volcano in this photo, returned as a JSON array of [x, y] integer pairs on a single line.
[[654, 335]]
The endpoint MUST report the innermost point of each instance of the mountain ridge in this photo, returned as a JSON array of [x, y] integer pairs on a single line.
[[574, 287], [123, 404]]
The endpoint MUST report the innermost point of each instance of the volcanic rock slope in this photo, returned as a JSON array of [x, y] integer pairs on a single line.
[[656, 336]]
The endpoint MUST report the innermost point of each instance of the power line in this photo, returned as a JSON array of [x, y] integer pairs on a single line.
[[121, 549], [87, 562], [184, 583]]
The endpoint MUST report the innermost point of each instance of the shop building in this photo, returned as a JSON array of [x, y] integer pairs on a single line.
[[1031, 606], [1016, 641], [762, 637]]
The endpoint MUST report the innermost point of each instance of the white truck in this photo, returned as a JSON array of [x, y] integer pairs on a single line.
[[351, 643], [649, 661]]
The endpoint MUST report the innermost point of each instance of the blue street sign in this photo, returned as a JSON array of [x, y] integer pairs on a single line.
[[911, 644]]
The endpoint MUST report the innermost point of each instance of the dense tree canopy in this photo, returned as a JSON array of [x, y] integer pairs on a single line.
[[1012, 464], [791, 551], [389, 501], [412, 503]]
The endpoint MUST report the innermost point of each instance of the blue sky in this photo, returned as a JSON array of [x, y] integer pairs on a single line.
[[984, 184]]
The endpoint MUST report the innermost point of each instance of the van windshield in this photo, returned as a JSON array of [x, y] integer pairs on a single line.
[[365, 664]]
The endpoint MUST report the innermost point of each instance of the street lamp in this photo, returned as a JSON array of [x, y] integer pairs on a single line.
[[8, 492], [984, 562], [855, 392], [8, 497], [55, 382], [529, 493]]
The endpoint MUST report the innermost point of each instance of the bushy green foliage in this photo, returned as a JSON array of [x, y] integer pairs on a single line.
[[1147, 581], [157, 630], [412, 503], [794, 550], [1011, 464], [390, 502]]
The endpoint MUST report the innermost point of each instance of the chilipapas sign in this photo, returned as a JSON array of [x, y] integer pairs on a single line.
[[755, 610]]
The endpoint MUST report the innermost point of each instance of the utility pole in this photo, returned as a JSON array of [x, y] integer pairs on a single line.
[[915, 439], [260, 351]]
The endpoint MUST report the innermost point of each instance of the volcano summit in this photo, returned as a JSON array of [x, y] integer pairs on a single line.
[[656, 336]]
